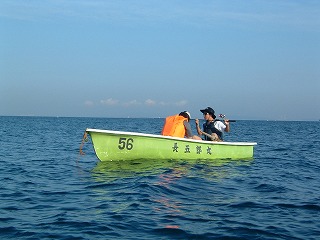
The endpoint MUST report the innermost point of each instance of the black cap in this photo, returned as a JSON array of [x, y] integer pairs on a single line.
[[185, 114], [209, 110]]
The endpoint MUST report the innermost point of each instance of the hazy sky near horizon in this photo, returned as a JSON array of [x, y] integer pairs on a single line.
[[257, 59]]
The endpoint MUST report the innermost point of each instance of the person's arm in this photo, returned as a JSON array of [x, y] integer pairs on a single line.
[[188, 129], [226, 122], [198, 127]]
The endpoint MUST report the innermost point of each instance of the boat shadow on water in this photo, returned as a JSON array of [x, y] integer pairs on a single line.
[[219, 168]]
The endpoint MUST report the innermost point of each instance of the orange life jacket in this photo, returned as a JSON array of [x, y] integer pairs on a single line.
[[174, 127]]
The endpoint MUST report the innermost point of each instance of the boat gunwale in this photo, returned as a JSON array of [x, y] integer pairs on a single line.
[[168, 137]]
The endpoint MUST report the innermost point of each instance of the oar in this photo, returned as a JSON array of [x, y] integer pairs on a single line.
[[223, 117]]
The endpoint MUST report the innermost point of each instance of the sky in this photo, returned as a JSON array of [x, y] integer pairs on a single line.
[[250, 60]]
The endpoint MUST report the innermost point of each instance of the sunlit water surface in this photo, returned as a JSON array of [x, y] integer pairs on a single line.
[[49, 191]]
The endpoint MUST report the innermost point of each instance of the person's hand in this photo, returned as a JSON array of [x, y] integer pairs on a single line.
[[226, 121], [197, 121]]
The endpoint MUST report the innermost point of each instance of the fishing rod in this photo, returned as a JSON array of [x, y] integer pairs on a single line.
[[223, 116]]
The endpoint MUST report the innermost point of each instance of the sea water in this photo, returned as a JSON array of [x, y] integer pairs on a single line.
[[49, 191]]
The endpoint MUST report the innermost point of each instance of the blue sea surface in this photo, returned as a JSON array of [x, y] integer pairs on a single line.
[[49, 191]]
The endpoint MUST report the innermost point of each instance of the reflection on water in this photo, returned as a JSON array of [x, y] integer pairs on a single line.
[[160, 188], [45, 193], [112, 170]]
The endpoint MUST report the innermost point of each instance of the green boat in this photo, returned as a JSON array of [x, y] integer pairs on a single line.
[[118, 145]]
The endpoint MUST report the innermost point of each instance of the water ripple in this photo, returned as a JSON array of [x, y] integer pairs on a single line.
[[49, 192]]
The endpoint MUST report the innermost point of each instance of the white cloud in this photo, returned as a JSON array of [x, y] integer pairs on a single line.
[[88, 103], [181, 103], [293, 12], [109, 102], [150, 102], [131, 103]]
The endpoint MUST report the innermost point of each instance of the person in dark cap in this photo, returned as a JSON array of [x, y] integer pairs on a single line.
[[212, 129]]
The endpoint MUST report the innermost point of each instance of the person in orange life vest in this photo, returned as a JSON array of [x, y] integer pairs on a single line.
[[213, 127], [179, 126]]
